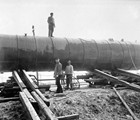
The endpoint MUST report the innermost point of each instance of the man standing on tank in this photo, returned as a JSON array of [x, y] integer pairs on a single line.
[[51, 25], [57, 75]]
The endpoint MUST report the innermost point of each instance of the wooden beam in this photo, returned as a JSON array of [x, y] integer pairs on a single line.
[[126, 73], [94, 80], [69, 117], [116, 80], [28, 106], [15, 88], [47, 112], [29, 96], [23, 87], [18, 80], [130, 111], [30, 82], [42, 97], [84, 76], [34, 87], [9, 99]]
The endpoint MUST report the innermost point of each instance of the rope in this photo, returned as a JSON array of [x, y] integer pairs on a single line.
[[132, 60]]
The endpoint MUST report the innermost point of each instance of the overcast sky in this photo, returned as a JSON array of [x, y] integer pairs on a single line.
[[97, 19]]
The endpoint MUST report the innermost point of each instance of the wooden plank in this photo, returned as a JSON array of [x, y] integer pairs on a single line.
[[30, 82], [126, 73], [130, 111], [29, 96], [18, 80], [42, 97], [115, 79], [9, 99], [23, 87], [84, 76], [15, 88], [94, 80], [69, 117], [46, 86], [47, 112], [28, 106], [34, 87]]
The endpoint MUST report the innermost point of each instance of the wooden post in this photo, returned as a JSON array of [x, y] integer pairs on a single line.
[[37, 76]]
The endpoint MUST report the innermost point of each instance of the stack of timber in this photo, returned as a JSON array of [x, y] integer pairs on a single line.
[[9, 88], [34, 101]]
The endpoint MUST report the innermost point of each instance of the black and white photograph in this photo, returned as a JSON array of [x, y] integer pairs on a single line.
[[69, 59]]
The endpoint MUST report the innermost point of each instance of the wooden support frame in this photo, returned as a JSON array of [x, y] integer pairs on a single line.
[[28, 106]]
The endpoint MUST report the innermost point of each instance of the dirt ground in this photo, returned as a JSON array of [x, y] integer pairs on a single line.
[[12, 110], [90, 104]]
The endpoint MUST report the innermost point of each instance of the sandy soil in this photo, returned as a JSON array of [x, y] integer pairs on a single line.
[[97, 104], [90, 104]]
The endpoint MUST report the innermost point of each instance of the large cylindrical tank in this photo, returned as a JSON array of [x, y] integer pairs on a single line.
[[39, 53]]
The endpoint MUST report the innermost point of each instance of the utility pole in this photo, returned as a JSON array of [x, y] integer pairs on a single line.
[[37, 74], [33, 30]]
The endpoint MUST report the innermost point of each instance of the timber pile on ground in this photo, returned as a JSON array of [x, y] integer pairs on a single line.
[[90, 104]]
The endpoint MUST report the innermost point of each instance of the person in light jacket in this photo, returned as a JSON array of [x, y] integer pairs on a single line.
[[69, 74]]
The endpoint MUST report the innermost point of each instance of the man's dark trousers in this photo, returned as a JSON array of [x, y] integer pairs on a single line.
[[59, 88]]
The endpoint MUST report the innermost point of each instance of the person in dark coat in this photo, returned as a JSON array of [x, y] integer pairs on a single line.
[[57, 75], [51, 25]]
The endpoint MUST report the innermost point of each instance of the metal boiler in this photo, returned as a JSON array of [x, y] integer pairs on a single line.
[[38, 53]]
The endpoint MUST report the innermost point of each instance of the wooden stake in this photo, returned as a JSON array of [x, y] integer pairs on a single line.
[[130, 111]]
